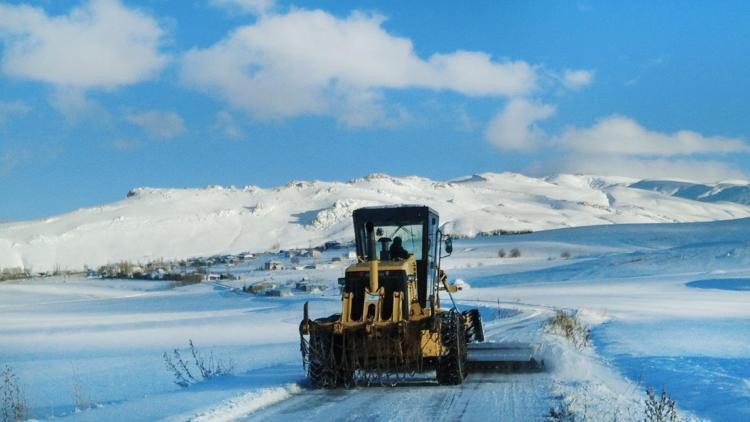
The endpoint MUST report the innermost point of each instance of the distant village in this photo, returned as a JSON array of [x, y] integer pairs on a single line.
[[220, 267], [201, 269]]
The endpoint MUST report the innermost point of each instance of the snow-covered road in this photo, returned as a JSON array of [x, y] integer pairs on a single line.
[[517, 397]]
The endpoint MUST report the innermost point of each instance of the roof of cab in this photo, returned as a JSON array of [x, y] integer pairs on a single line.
[[394, 212]]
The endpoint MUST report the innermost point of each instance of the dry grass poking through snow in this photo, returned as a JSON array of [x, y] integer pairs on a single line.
[[657, 408], [660, 408], [203, 368], [570, 326], [12, 400]]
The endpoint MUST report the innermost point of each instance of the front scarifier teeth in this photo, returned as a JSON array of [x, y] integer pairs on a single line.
[[356, 357]]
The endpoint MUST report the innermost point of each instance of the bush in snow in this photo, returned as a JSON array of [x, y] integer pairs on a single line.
[[501, 253], [15, 273], [570, 326], [515, 253], [565, 255], [562, 413], [660, 408], [187, 372], [12, 401]]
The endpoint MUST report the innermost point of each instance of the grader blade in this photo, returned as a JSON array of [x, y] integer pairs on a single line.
[[504, 357]]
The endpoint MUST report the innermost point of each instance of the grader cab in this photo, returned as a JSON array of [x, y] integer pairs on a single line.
[[391, 322]]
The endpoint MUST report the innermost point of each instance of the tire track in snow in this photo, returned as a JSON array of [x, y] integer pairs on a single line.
[[483, 396]]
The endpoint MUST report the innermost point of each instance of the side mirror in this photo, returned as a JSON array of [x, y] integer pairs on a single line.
[[449, 246]]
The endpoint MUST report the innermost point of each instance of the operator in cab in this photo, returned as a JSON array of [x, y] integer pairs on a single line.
[[397, 250]]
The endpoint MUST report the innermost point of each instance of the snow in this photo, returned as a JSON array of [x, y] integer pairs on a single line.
[[245, 404], [181, 223], [666, 304], [721, 284], [737, 191], [638, 286]]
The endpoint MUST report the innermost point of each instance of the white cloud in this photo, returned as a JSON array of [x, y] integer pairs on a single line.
[[614, 145], [10, 109], [618, 135], [642, 168], [227, 126], [158, 124], [576, 79], [256, 7], [101, 44], [514, 128], [74, 105], [311, 62]]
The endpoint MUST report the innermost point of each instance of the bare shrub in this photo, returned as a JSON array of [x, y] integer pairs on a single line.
[[515, 253], [13, 405], [203, 367], [570, 326], [16, 273], [565, 254], [561, 413], [501, 253], [660, 408], [80, 398]]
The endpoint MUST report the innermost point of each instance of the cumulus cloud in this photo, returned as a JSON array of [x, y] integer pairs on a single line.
[[311, 62], [158, 124], [100, 44], [618, 135], [577, 79], [614, 145], [256, 7], [9, 109], [514, 128]]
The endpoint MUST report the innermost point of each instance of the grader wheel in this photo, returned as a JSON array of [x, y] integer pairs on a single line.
[[451, 367], [324, 369], [474, 328], [320, 366]]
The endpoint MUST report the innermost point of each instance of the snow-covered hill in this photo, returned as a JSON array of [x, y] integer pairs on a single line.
[[179, 223], [730, 191]]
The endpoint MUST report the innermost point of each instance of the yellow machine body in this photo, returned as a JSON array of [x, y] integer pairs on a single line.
[[391, 321]]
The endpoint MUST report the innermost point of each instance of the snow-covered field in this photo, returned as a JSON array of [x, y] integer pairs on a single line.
[[182, 223], [669, 306]]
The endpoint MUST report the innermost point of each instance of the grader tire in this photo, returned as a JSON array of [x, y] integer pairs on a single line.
[[474, 327], [344, 376], [325, 356], [319, 370], [451, 367]]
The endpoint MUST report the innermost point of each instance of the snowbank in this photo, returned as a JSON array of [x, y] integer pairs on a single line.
[[245, 404]]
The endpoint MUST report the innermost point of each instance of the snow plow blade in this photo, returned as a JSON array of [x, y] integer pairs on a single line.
[[508, 357]]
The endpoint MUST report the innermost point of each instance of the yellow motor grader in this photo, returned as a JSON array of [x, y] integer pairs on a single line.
[[392, 323]]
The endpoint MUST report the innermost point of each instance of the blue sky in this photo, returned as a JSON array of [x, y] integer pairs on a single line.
[[100, 96]]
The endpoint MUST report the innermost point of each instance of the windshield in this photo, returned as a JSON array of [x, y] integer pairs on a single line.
[[410, 235]]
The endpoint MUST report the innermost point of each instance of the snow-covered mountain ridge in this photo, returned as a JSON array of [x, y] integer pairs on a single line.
[[178, 223], [729, 191]]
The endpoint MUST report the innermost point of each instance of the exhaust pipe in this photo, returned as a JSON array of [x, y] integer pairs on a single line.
[[374, 282]]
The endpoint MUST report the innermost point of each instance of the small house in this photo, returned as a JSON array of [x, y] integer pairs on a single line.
[[313, 253], [280, 292], [273, 266]]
